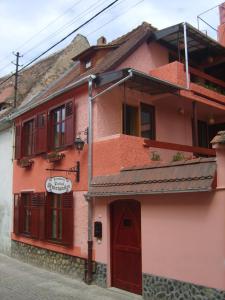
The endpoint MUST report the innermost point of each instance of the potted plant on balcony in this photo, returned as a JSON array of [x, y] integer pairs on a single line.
[[25, 163], [54, 156]]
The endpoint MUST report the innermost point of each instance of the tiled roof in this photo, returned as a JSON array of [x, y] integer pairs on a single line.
[[126, 45], [41, 75], [185, 176]]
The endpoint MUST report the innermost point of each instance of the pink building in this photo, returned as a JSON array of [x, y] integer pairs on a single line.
[[146, 210]]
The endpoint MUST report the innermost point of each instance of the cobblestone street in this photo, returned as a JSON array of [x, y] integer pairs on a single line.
[[21, 281]]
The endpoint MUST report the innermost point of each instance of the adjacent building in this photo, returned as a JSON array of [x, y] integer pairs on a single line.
[[32, 82]]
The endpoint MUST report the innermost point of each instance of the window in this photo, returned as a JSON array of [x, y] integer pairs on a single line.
[[29, 138], [88, 64], [147, 121], [60, 218], [44, 218], [62, 126], [44, 133], [131, 121], [58, 118], [55, 217]]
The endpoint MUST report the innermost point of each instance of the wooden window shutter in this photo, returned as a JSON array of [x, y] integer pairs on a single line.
[[35, 216], [69, 123], [48, 216], [17, 217], [42, 216], [38, 215], [18, 144], [67, 218], [41, 133]]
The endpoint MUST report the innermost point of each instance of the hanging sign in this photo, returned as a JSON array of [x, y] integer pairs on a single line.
[[58, 185]]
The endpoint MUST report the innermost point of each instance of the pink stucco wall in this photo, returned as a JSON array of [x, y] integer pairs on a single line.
[[146, 57], [183, 236]]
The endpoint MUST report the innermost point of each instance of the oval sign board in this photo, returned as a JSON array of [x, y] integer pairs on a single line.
[[58, 185]]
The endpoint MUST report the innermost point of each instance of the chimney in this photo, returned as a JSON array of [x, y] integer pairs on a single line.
[[221, 27], [101, 41], [218, 143]]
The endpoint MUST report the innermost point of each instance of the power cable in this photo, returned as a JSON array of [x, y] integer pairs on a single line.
[[64, 38]]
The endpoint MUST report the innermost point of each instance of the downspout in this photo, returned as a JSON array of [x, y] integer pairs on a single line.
[[89, 199], [90, 173], [186, 56]]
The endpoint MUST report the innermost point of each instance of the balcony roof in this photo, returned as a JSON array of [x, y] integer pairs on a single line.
[[195, 175], [198, 42], [138, 81]]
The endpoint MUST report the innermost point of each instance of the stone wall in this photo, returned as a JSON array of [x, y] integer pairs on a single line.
[[50, 260], [155, 287], [100, 274], [57, 262]]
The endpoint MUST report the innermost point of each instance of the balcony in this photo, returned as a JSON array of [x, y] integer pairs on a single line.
[[201, 84], [113, 153]]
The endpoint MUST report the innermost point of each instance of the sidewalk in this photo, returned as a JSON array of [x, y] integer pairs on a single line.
[[20, 281]]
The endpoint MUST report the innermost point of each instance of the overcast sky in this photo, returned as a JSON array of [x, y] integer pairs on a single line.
[[32, 26]]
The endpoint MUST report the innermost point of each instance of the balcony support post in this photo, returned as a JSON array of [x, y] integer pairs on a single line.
[[186, 56], [195, 124]]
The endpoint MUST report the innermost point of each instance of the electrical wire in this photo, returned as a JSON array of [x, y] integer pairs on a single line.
[[64, 38]]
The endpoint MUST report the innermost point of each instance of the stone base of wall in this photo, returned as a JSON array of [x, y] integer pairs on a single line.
[[62, 263], [100, 274], [50, 260], [155, 287]]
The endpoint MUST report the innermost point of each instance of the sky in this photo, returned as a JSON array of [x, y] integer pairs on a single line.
[[31, 27]]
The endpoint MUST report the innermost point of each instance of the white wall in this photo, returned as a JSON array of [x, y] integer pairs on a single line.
[[6, 172]]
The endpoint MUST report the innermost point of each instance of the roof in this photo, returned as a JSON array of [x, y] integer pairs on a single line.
[[125, 45], [186, 176], [38, 77], [198, 42]]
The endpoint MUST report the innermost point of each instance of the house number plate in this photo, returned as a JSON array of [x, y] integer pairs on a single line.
[[58, 185]]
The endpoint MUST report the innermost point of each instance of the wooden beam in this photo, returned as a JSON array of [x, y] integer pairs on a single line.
[[178, 147]]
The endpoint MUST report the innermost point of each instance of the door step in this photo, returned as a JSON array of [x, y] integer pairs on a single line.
[[126, 293]]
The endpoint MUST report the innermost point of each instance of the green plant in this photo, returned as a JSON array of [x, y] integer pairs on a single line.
[[155, 156], [178, 156]]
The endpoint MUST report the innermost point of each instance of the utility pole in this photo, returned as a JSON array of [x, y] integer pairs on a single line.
[[17, 54]]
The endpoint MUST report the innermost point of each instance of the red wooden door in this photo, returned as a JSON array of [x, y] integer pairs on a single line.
[[126, 246]]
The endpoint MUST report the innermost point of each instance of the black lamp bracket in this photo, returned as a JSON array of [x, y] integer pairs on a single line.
[[75, 169]]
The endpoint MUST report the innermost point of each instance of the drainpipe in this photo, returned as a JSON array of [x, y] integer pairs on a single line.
[[90, 164], [186, 56], [90, 173]]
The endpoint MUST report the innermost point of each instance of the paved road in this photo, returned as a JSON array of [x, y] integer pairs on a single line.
[[20, 281]]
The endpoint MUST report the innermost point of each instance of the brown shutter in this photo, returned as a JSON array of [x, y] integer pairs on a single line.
[[17, 214], [69, 123], [35, 216], [38, 215], [67, 218], [18, 143], [42, 220], [48, 216], [41, 133]]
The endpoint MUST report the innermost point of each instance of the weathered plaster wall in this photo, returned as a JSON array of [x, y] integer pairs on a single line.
[[6, 154], [146, 57], [183, 236]]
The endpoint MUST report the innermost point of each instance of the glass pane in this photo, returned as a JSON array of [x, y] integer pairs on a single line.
[[63, 134], [56, 116], [60, 225], [26, 221], [63, 113], [145, 117], [54, 224], [57, 135]]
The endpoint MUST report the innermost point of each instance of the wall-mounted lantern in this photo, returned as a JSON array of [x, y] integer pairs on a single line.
[[79, 142]]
